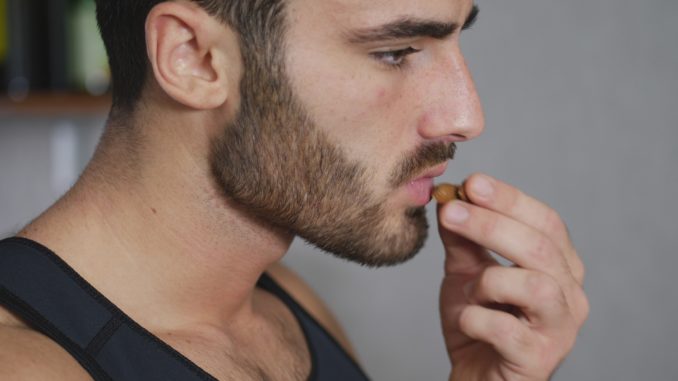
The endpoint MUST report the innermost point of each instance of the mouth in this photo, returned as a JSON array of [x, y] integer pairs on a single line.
[[436, 171], [420, 189]]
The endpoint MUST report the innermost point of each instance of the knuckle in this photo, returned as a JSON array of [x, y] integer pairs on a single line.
[[578, 269], [516, 201], [554, 223], [488, 227], [583, 307], [543, 251], [543, 289], [523, 341]]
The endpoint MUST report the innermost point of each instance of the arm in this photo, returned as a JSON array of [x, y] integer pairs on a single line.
[[26, 355]]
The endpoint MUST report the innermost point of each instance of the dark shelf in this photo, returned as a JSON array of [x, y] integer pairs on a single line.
[[56, 104]]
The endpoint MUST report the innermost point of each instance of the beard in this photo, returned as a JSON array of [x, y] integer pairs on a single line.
[[281, 168]]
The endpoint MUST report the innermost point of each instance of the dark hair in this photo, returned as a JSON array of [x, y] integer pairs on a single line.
[[260, 24]]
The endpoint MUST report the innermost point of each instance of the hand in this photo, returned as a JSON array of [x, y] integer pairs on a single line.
[[508, 323]]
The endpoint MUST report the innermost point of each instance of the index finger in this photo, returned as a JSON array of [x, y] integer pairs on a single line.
[[505, 199], [463, 256]]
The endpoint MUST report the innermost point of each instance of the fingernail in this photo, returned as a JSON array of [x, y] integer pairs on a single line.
[[456, 213], [482, 187]]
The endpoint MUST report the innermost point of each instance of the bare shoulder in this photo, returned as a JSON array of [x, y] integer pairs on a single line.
[[26, 355], [304, 295]]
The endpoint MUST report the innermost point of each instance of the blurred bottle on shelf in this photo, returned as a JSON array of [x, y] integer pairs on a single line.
[[51, 46], [88, 59], [3, 44], [27, 63], [58, 11]]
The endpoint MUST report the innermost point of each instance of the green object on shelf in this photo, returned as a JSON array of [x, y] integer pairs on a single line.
[[88, 54], [3, 30]]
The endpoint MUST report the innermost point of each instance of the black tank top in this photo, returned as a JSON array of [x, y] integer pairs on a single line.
[[49, 295]]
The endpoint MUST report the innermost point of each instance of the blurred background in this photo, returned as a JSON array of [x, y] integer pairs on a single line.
[[581, 100]]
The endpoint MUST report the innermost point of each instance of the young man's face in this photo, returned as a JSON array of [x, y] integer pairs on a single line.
[[339, 142]]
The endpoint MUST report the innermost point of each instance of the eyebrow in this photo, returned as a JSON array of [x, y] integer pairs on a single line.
[[411, 28]]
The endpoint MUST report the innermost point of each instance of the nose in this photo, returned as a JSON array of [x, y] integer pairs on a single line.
[[452, 108]]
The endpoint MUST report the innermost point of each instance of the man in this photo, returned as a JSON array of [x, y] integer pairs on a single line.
[[239, 124]]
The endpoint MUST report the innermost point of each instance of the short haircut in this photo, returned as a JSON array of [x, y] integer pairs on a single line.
[[260, 24]]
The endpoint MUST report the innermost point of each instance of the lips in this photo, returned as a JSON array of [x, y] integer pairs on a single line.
[[420, 188], [433, 172]]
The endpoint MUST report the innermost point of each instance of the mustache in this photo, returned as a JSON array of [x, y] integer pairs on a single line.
[[424, 158]]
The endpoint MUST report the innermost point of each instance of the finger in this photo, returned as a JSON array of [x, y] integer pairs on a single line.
[[503, 198], [463, 256], [519, 243], [539, 297], [513, 240], [513, 340]]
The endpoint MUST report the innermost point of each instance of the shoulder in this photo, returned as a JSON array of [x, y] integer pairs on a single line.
[[307, 298], [26, 355]]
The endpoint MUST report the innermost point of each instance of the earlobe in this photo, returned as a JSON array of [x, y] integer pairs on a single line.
[[186, 62]]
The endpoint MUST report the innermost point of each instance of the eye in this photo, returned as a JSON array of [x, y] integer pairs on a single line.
[[394, 58]]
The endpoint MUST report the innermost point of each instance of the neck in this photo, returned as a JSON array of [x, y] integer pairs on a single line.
[[157, 237]]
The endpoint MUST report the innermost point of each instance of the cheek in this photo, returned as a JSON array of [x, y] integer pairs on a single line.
[[375, 122], [423, 120], [352, 111], [369, 116]]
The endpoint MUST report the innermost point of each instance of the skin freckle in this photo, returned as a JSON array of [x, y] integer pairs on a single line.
[[381, 97]]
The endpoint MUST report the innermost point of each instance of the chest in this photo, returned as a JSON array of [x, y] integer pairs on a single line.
[[275, 351], [275, 362]]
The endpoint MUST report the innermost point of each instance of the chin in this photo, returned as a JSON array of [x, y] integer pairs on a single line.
[[407, 242], [386, 243]]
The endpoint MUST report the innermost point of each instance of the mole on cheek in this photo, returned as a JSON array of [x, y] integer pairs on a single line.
[[381, 94]]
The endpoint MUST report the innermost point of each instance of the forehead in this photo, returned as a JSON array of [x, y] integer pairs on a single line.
[[361, 13]]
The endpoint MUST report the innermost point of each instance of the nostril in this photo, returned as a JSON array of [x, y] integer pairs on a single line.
[[454, 138]]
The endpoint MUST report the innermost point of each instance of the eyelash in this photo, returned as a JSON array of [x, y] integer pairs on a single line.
[[399, 55]]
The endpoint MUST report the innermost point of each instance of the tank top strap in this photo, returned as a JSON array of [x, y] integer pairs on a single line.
[[330, 361], [48, 294]]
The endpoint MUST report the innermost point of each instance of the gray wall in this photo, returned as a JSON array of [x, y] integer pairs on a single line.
[[581, 99], [40, 158]]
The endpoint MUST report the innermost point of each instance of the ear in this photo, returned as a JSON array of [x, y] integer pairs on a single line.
[[189, 60]]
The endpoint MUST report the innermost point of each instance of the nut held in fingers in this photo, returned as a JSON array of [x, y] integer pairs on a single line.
[[444, 193]]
